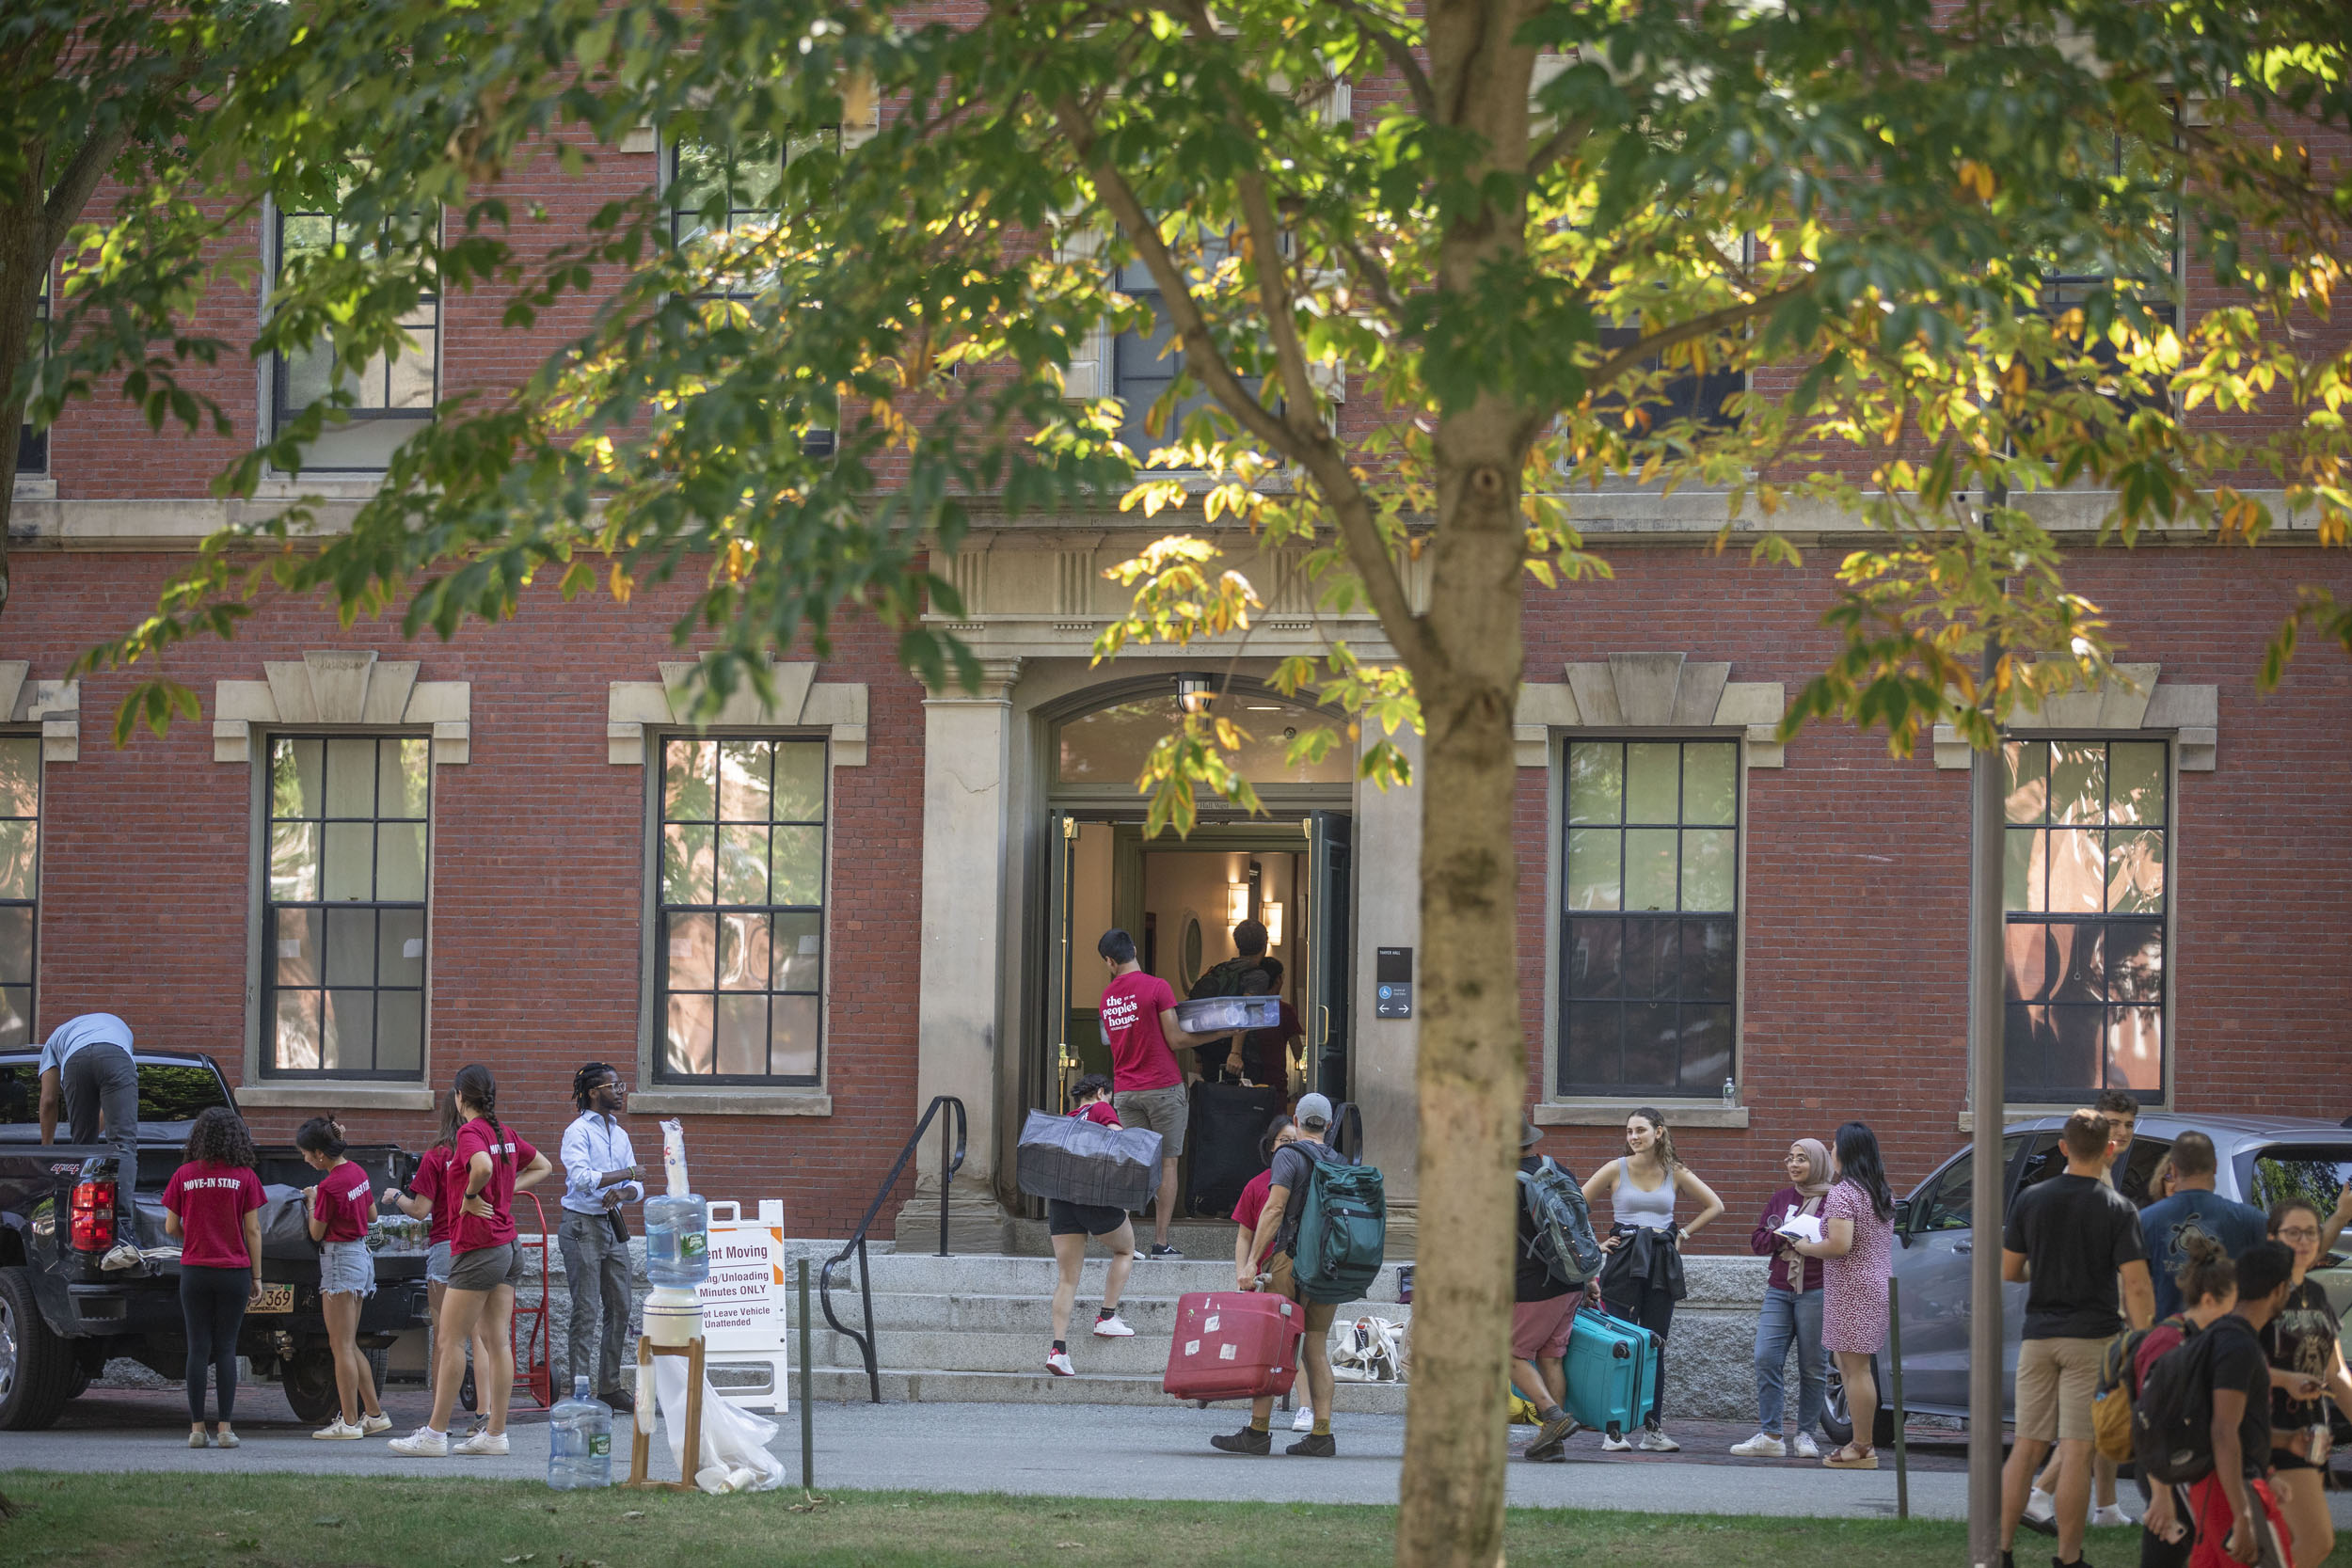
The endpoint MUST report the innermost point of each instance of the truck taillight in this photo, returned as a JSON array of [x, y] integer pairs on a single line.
[[93, 1215]]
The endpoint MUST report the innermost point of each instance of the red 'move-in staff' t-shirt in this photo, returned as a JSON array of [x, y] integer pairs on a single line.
[[1140, 1058], [507, 1161], [212, 1202], [1099, 1113], [342, 1203], [1251, 1207], [436, 1182]]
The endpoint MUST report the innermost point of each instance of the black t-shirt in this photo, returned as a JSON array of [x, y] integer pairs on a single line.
[[1534, 1282], [2239, 1364], [1293, 1168], [2298, 1339], [2076, 1233]]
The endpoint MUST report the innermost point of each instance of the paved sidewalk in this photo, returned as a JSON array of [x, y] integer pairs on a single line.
[[1051, 1451]]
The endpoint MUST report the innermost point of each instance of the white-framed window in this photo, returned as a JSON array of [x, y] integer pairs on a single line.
[[20, 886], [739, 918], [344, 918]]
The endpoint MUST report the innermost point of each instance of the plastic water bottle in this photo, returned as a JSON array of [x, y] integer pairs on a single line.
[[580, 1441], [677, 1240], [1731, 1093]]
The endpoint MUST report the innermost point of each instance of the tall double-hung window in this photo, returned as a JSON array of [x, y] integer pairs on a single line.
[[740, 919], [1649, 961], [344, 955], [2084, 901], [392, 394], [20, 885]]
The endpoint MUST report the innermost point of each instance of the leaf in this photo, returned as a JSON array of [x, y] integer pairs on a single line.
[[526, 1557]]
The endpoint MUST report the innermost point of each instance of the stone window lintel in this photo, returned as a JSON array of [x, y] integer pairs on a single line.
[[803, 702], [1650, 692], [342, 685], [2142, 701], [55, 705]]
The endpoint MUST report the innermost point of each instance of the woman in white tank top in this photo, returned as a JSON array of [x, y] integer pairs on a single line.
[[1641, 1188]]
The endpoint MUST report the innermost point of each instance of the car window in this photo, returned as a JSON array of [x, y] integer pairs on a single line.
[[2131, 1172], [2314, 1172], [167, 1092], [1945, 1203]]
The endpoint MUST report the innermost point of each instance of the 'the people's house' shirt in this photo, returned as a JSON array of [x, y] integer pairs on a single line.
[[2075, 1232], [342, 1203], [436, 1182], [2239, 1366], [1141, 1059], [1533, 1280], [1293, 1168], [506, 1162], [2236, 1225], [2300, 1340], [1100, 1112], [1250, 1208], [212, 1201], [76, 1033]]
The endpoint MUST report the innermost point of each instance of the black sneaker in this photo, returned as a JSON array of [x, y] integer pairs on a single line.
[[1316, 1445], [1165, 1250], [1247, 1440], [2056, 1562]]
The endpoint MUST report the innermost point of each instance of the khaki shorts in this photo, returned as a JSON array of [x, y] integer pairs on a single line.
[[486, 1268], [2055, 1382], [1281, 1281], [1165, 1111]]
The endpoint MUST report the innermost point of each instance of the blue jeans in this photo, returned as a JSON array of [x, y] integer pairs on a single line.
[[1788, 1316]]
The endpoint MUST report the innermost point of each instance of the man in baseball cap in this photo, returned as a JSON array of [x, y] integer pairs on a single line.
[[1278, 1226]]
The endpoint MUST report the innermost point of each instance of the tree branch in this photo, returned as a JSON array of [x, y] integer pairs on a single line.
[[1399, 52], [1682, 332], [78, 183]]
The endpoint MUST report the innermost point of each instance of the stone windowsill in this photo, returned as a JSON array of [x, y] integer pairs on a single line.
[[328, 1095], [730, 1100], [1612, 1112]]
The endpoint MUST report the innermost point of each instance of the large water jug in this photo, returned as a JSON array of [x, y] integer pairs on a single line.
[[677, 1240], [580, 1441]]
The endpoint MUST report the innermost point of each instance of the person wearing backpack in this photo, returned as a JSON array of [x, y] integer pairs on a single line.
[[1289, 1196], [1227, 980], [2206, 1280], [1792, 1312], [2203, 1421], [1544, 1298], [2077, 1242]]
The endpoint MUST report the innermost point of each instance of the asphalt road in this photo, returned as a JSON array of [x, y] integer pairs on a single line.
[[1045, 1451]]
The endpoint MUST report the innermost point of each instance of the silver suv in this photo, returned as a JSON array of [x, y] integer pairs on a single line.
[[2262, 1160]]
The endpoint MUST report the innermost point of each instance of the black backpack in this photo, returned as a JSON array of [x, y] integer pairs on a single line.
[[2172, 1418], [1221, 980]]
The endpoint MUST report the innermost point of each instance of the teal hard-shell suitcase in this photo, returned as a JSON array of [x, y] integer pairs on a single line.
[[1613, 1372]]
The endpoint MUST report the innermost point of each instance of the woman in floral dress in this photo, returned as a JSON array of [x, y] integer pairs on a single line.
[[1857, 1253]]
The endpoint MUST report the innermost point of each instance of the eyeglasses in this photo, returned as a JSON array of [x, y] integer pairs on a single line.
[[2301, 1233]]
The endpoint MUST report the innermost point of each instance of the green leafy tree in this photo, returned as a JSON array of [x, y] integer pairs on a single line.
[[1538, 222]]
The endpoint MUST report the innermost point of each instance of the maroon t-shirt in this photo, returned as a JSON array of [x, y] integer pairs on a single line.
[[1250, 1208], [212, 1202], [1100, 1112], [436, 1182], [506, 1162], [342, 1203], [1140, 1058]]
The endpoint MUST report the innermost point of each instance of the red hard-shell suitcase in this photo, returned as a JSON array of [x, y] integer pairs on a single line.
[[1233, 1345]]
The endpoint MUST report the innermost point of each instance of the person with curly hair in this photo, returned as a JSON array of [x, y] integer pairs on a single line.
[[214, 1204]]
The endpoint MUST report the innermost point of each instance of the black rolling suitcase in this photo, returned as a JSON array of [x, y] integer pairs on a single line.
[[1221, 1144]]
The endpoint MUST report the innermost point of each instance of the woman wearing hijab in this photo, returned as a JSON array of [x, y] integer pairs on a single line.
[[1792, 1312]]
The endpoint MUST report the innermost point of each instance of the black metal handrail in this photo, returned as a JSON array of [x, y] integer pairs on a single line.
[[950, 1161], [1348, 1131]]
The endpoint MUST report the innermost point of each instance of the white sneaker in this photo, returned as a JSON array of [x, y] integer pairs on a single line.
[[1804, 1446], [1057, 1363], [338, 1431], [2041, 1505], [1611, 1443], [1305, 1420], [2111, 1514], [1762, 1446], [424, 1443], [1112, 1327], [371, 1425], [482, 1443], [1654, 1441]]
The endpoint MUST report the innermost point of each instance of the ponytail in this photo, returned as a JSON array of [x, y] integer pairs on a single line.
[[321, 1135], [477, 1088]]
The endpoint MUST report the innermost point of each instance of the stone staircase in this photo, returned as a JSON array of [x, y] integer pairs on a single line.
[[977, 1329]]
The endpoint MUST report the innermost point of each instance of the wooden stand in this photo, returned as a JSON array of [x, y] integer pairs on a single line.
[[641, 1441]]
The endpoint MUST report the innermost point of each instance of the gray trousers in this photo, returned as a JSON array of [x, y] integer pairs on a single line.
[[595, 1267], [100, 1082]]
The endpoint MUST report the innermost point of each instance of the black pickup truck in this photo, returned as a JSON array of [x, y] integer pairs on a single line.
[[62, 1316]]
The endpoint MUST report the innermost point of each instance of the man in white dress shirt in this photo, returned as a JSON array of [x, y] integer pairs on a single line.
[[601, 1174]]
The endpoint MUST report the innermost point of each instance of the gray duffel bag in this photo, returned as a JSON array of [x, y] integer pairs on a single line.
[[286, 1225], [1079, 1160]]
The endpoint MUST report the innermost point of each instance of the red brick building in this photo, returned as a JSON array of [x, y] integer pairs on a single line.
[[372, 861]]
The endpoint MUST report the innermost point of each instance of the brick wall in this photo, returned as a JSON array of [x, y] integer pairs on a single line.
[[536, 881]]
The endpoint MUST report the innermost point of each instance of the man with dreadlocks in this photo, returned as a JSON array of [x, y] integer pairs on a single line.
[[601, 1174]]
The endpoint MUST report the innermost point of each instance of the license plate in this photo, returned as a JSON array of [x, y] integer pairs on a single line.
[[274, 1298]]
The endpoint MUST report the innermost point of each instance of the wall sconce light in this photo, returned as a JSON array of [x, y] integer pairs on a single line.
[[1194, 692], [1270, 915], [1236, 903]]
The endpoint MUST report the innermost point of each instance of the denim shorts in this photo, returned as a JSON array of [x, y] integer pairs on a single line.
[[346, 1268], [437, 1263]]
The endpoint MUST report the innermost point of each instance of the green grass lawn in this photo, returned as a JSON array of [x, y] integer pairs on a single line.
[[171, 1521]]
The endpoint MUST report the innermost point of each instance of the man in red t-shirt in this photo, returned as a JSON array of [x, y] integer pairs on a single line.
[[1139, 1021]]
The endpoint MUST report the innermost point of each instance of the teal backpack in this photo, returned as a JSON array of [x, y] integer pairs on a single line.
[[1343, 1233]]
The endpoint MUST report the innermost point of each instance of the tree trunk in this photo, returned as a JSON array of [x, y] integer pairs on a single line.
[[1472, 1066], [24, 257]]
